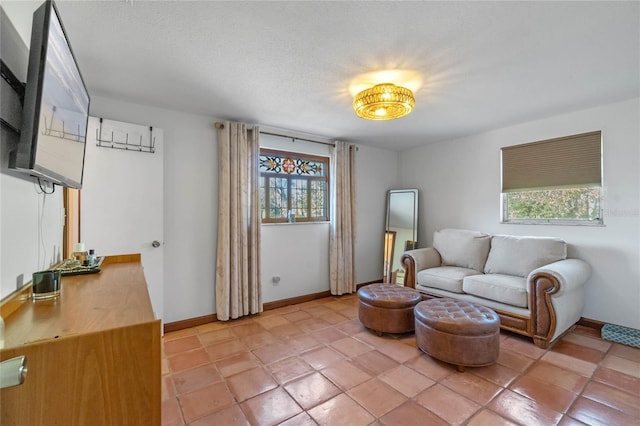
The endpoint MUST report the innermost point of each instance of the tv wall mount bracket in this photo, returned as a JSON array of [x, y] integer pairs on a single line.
[[17, 86]]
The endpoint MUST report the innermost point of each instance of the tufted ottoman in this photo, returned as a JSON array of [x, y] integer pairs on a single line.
[[387, 308], [458, 332]]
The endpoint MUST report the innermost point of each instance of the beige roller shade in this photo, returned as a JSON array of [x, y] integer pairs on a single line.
[[554, 163]]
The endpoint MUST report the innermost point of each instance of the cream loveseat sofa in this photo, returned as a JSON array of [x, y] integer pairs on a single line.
[[528, 281]]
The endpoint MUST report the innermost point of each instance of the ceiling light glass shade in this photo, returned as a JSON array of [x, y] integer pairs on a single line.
[[384, 102]]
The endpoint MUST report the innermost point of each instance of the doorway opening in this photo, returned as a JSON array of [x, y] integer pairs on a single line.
[[71, 232]]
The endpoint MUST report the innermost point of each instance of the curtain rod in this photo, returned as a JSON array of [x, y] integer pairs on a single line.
[[294, 138], [220, 125]]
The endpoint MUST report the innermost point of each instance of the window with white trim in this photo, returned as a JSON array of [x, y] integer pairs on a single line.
[[555, 181], [294, 187]]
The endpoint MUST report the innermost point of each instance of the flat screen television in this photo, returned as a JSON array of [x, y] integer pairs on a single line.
[[56, 106]]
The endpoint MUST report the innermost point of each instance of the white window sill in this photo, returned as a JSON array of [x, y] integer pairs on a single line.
[[295, 223], [553, 222]]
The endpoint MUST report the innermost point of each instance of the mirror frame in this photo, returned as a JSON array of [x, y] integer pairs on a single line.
[[390, 249]]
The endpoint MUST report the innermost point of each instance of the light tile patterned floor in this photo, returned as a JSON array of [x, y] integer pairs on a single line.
[[314, 363]]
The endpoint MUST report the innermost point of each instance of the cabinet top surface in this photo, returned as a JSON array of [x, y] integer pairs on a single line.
[[115, 297]]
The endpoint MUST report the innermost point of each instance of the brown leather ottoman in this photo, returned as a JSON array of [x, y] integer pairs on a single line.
[[458, 332], [387, 308]]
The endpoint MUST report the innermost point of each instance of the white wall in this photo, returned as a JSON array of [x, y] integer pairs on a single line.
[[460, 188], [31, 225], [299, 253], [377, 172], [191, 205]]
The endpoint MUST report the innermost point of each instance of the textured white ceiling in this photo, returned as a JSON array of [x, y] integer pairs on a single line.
[[291, 65]]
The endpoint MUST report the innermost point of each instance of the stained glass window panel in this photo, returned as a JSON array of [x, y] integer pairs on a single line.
[[289, 164], [293, 182]]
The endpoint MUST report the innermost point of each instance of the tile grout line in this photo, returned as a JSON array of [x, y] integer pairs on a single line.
[[350, 358]]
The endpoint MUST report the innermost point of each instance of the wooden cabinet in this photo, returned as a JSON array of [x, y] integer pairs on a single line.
[[93, 353]]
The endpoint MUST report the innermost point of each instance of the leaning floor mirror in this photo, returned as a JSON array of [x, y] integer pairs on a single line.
[[401, 231]]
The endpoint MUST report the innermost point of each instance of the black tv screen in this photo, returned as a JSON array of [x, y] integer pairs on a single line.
[[56, 106]]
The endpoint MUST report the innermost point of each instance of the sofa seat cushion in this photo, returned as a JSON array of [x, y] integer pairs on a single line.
[[462, 248], [501, 288], [517, 255], [447, 278]]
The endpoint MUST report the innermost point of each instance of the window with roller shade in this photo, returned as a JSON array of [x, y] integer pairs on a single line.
[[555, 181]]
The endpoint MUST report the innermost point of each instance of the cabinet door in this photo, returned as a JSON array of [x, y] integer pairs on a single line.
[[102, 378]]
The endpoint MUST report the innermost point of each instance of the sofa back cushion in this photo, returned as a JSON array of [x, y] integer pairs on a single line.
[[463, 248], [517, 255]]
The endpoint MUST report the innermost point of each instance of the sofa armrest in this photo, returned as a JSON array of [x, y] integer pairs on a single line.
[[570, 273], [556, 297], [414, 261]]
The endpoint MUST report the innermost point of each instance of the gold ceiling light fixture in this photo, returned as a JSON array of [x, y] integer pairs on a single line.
[[384, 101]]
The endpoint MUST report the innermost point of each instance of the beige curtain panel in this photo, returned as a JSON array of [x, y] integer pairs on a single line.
[[238, 287], [554, 163], [343, 222]]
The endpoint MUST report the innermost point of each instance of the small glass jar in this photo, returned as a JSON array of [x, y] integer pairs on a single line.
[[45, 284], [91, 258]]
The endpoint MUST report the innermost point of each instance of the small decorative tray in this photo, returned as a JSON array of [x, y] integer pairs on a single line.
[[71, 267]]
